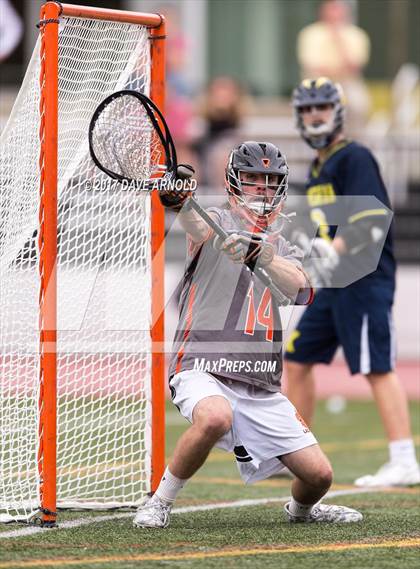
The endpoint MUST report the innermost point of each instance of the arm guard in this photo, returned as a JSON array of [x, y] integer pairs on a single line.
[[362, 233]]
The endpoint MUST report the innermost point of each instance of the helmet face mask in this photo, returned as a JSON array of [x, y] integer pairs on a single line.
[[322, 94], [260, 203], [256, 181]]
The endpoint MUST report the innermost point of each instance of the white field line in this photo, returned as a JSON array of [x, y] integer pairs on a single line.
[[24, 532]]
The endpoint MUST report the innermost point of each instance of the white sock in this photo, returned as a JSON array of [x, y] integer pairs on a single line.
[[169, 487], [298, 509], [402, 451]]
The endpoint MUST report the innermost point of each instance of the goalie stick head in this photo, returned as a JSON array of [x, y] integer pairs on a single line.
[[321, 92], [256, 181]]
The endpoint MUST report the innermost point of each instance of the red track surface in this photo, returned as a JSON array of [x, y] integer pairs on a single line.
[[102, 376], [335, 379]]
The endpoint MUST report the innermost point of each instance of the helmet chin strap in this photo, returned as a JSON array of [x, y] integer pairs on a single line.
[[319, 142], [321, 136], [254, 220], [321, 129], [260, 207]]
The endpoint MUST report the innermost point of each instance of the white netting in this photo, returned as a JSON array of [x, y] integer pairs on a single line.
[[104, 346]]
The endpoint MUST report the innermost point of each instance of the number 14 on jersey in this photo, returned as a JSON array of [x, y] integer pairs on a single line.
[[263, 314]]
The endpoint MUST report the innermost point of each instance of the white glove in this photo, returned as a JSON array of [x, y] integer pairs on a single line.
[[320, 259], [246, 247]]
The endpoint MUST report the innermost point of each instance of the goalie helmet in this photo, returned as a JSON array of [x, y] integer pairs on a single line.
[[257, 158], [321, 91]]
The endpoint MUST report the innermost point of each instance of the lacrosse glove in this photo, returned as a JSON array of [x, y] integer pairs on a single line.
[[246, 247], [175, 198]]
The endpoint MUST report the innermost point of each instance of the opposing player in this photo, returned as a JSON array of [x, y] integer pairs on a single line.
[[358, 316], [226, 370]]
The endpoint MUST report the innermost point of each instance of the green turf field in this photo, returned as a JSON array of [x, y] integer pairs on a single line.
[[254, 536]]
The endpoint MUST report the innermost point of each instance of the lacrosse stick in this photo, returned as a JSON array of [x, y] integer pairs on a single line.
[[130, 141]]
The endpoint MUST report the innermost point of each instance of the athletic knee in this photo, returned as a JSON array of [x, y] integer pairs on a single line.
[[382, 378], [322, 477], [296, 371], [215, 424], [213, 417]]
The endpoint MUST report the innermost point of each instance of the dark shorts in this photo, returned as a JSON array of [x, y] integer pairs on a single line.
[[358, 318]]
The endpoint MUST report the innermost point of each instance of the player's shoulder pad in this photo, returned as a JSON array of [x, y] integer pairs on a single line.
[[357, 151], [220, 213], [358, 156], [214, 209]]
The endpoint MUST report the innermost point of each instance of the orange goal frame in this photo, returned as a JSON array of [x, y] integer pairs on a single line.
[[47, 242]]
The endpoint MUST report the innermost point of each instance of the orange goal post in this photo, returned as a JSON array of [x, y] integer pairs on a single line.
[[81, 279]]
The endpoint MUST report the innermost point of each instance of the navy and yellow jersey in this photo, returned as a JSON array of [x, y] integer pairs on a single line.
[[347, 189], [229, 324]]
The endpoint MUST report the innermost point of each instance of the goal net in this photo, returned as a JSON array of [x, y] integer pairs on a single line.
[[105, 368]]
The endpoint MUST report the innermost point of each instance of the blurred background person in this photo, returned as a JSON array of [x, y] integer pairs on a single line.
[[355, 308], [221, 108], [179, 111], [11, 29], [334, 47]]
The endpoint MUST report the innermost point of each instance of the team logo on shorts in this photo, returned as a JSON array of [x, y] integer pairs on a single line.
[[306, 429]]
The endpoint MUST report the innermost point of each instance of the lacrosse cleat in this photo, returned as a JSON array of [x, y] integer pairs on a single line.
[[323, 513], [392, 474], [152, 514]]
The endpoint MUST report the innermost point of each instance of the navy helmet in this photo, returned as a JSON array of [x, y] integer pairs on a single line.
[[321, 91]]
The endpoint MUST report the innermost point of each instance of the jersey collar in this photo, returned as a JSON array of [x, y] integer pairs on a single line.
[[317, 166]]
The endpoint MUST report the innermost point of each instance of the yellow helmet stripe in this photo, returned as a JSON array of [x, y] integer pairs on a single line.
[[321, 81]]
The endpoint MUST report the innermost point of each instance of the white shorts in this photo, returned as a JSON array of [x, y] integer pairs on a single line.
[[265, 425]]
